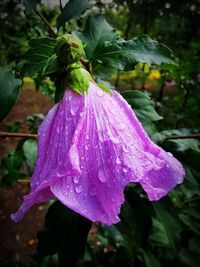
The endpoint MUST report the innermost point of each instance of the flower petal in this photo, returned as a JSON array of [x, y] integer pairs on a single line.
[[90, 147]]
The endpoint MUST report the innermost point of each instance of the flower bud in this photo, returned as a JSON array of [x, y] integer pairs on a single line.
[[68, 49]]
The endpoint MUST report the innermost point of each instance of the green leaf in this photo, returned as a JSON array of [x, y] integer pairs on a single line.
[[123, 55], [39, 54], [9, 90], [31, 4], [168, 217], [144, 109], [65, 232], [95, 33], [149, 259], [135, 225], [73, 8], [30, 153]]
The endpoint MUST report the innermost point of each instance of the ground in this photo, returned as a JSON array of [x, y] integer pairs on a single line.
[[18, 241]]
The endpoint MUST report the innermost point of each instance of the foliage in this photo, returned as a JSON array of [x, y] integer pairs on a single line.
[[150, 234], [9, 89]]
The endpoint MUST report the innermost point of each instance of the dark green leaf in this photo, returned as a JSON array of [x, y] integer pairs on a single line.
[[39, 54], [135, 225], [9, 90], [189, 258], [144, 109], [65, 232], [149, 259], [72, 9], [166, 214], [31, 4], [30, 153], [123, 55], [96, 32]]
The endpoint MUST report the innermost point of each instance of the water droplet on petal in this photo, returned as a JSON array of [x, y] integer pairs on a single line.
[[125, 149], [103, 173], [169, 154], [73, 110], [125, 170], [112, 199], [78, 189], [81, 114], [76, 179], [118, 160], [100, 92], [93, 192], [86, 147], [122, 126], [58, 130]]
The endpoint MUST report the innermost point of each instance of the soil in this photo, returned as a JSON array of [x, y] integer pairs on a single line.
[[18, 241]]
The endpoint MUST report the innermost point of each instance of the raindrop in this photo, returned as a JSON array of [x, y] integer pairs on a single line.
[[103, 173], [76, 179], [169, 154], [122, 126], [93, 192], [118, 160], [78, 189], [125, 170], [100, 92], [73, 110], [125, 149], [81, 114], [61, 112], [86, 147], [58, 130]]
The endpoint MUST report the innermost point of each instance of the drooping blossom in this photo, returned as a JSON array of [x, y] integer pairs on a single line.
[[90, 147]]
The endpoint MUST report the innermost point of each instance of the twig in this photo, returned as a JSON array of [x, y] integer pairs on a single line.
[[24, 181], [51, 31], [186, 136], [6, 134]]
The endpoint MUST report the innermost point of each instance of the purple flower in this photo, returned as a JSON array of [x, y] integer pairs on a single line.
[[90, 147]]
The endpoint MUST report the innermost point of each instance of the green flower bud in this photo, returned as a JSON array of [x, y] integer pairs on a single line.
[[68, 49], [79, 80]]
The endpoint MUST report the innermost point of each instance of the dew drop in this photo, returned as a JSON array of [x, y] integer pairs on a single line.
[[76, 179], [86, 147], [78, 189], [103, 173]]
